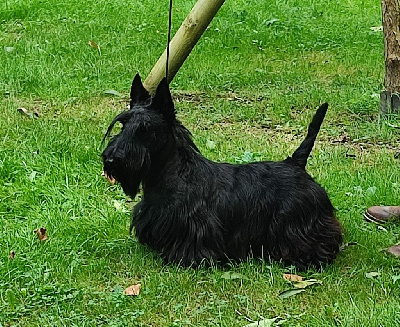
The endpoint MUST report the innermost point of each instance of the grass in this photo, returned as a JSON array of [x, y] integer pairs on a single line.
[[247, 92]]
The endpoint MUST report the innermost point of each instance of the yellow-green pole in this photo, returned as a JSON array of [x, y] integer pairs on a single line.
[[183, 42]]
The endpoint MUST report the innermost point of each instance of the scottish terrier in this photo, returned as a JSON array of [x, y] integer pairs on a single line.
[[194, 210]]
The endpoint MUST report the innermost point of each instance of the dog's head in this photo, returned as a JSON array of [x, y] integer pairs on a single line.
[[145, 130]]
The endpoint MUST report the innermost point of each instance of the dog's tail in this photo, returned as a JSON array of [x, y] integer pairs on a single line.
[[300, 156]]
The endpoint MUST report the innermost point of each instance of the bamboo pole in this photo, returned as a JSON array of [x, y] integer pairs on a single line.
[[183, 42]]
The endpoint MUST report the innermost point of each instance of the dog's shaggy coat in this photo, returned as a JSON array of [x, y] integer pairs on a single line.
[[193, 209]]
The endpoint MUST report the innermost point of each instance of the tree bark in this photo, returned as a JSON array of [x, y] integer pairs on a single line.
[[183, 42], [390, 100]]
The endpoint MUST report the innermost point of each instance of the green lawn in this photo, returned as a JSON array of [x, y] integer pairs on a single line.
[[247, 91]]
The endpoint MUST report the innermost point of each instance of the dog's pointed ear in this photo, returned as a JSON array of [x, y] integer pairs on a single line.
[[162, 101], [138, 92]]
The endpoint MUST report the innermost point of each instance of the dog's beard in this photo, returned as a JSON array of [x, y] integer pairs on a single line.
[[128, 172], [130, 182], [131, 185]]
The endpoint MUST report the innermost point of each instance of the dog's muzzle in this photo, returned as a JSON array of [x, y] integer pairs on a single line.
[[108, 177]]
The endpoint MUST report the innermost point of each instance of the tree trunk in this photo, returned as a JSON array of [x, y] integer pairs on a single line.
[[183, 42], [390, 100]]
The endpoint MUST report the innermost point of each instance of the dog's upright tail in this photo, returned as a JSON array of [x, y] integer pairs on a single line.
[[300, 156]]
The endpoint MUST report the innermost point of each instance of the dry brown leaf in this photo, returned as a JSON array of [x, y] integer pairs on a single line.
[[395, 250], [110, 179], [36, 113], [24, 111], [306, 283], [94, 45], [133, 290], [292, 277], [11, 255], [41, 233]]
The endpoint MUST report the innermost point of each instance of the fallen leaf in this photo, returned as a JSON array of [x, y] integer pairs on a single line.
[[267, 322], [9, 49], [25, 112], [11, 255], [395, 250], [292, 277], [32, 175], [291, 292], [232, 275], [346, 245], [112, 92], [211, 144], [306, 283], [133, 290], [395, 278], [94, 45], [110, 179], [120, 207], [271, 21], [41, 233], [376, 28], [372, 274], [36, 113], [370, 191]]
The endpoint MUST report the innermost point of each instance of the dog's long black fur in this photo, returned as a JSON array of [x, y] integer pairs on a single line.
[[193, 209]]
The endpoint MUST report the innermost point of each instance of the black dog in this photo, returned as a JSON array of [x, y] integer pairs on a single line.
[[194, 209]]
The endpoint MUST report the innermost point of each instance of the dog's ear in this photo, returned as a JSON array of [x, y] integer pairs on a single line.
[[138, 92], [162, 101]]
